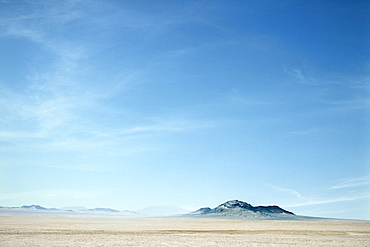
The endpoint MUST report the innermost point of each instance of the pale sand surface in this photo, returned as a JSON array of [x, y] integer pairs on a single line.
[[84, 231]]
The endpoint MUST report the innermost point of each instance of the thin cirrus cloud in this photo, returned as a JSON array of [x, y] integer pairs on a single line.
[[329, 201], [56, 94], [314, 78], [301, 78], [295, 193], [303, 200], [60, 193], [353, 182], [335, 92]]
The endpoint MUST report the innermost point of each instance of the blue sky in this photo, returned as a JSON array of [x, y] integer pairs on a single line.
[[129, 104]]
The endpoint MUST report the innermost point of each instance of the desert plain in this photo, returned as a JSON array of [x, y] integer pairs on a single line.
[[177, 231]]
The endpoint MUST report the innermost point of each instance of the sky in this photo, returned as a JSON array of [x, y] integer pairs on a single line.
[[187, 103]]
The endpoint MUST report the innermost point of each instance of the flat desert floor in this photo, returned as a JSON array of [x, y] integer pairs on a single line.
[[93, 231]]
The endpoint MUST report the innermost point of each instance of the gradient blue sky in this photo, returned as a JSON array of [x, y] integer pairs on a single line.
[[129, 104]]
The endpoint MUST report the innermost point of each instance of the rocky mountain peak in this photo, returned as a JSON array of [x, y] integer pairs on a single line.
[[202, 211], [33, 207], [242, 209], [234, 204]]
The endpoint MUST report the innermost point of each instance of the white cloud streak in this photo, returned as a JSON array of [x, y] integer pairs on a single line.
[[352, 182], [340, 92], [57, 96], [49, 194], [304, 200], [328, 201], [286, 190]]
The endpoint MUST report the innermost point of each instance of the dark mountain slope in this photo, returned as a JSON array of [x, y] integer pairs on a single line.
[[238, 208]]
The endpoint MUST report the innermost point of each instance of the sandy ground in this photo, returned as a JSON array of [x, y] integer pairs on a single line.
[[80, 231]]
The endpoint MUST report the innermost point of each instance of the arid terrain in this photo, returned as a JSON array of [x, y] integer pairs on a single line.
[[120, 231]]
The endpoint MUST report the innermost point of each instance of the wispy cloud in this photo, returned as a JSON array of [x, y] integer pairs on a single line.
[[55, 94], [169, 125], [310, 77], [339, 91], [300, 77], [58, 95], [285, 190], [326, 198], [328, 201], [235, 97], [49, 194], [78, 166], [352, 182], [19, 135]]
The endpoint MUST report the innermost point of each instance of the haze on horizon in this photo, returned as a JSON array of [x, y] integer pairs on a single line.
[[131, 104]]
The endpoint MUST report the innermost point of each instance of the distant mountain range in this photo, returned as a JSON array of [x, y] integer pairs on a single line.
[[162, 211], [149, 211], [233, 208], [36, 207], [79, 210], [236, 208], [30, 207]]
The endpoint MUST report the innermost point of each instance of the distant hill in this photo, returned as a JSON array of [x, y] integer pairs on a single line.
[[37, 209], [109, 210], [103, 210], [236, 208], [73, 208], [162, 211]]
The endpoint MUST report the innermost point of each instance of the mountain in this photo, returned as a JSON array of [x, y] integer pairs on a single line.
[[34, 207], [73, 208], [162, 211], [39, 210], [109, 210], [202, 211], [236, 208]]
